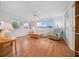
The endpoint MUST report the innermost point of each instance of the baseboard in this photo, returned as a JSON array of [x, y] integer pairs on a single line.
[[68, 44]]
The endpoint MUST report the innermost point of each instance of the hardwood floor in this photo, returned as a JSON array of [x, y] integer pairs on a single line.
[[43, 47]]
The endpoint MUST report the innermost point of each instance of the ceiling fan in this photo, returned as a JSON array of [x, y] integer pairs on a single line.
[[35, 14]]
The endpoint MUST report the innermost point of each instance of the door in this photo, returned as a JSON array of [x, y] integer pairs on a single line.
[[77, 28]]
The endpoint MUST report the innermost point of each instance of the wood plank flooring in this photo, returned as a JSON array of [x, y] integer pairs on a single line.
[[43, 47]]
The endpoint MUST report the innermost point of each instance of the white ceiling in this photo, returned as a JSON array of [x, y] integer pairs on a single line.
[[26, 9]]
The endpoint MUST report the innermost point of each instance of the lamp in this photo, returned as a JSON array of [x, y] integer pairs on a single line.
[[57, 25], [6, 27]]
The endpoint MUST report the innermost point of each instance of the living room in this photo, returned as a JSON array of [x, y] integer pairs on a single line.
[[37, 28]]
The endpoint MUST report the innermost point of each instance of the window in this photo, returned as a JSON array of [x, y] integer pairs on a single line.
[[15, 22], [26, 25], [46, 23]]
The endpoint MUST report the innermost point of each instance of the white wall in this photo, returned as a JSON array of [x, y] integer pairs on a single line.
[[59, 20], [69, 34]]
